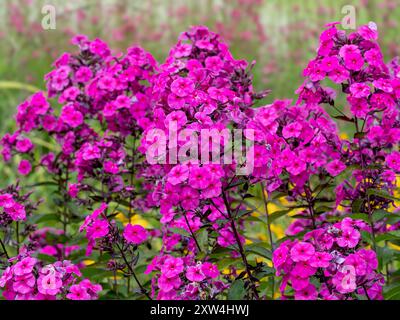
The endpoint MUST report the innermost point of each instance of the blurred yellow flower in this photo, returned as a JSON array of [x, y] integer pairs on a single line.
[[277, 230], [226, 271], [272, 207], [89, 262], [262, 236], [393, 246], [121, 217], [262, 259], [284, 201], [136, 219]]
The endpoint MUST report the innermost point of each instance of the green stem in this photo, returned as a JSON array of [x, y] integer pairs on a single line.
[[310, 203], [371, 222], [239, 243], [387, 269], [132, 173], [142, 289], [17, 235], [191, 232], [4, 249], [265, 200]]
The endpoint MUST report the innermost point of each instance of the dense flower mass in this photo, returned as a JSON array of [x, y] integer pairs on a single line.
[[148, 196], [329, 263], [12, 209], [28, 280], [303, 141], [184, 278]]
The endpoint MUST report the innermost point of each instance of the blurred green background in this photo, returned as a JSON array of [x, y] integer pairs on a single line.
[[280, 35]]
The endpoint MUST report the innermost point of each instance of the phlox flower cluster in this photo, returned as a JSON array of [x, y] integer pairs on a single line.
[[355, 61], [27, 279], [97, 226], [199, 86], [303, 142], [12, 210], [104, 107], [184, 278], [329, 263], [107, 110]]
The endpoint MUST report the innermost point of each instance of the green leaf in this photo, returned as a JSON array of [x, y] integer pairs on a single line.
[[265, 272], [356, 205], [392, 217], [248, 195], [366, 236], [344, 118], [358, 216], [43, 143], [384, 256], [202, 239], [259, 250], [123, 202], [5, 85], [323, 209], [396, 257], [226, 263], [389, 236], [381, 194], [220, 253], [322, 186], [277, 214], [237, 290], [301, 216], [47, 217], [180, 231], [278, 195], [380, 214], [58, 201], [96, 273], [393, 293], [242, 213], [44, 183], [46, 258], [256, 219]]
